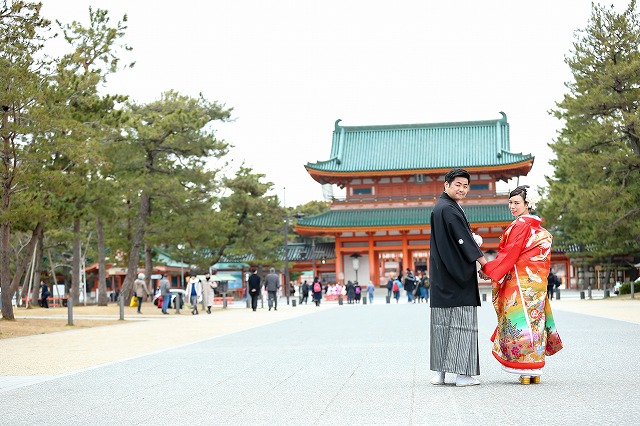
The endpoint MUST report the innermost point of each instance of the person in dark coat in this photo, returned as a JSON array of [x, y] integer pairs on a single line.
[[454, 286], [44, 295], [418, 294], [351, 292], [426, 283], [358, 291], [254, 288], [304, 293], [553, 282], [550, 284], [317, 291], [409, 285]]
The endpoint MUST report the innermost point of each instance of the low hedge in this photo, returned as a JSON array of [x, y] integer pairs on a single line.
[[626, 288]]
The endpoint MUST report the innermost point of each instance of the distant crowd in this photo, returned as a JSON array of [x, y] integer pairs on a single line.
[[416, 286]]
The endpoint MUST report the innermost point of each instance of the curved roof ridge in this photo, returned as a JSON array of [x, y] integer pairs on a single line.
[[400, 216], [431, 146], [445, 124]]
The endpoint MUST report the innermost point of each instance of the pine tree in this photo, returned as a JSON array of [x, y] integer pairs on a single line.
[[168, 147], [91, 119], [594, 192], [23, 89]]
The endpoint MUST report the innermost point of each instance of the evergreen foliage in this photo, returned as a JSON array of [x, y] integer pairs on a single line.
[[23, 120], [87, 175], [166, 155], [594, 192]]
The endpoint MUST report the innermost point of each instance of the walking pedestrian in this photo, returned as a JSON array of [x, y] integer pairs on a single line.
[[305, 292], [358, 291], [389, 285], [317, 291], [409, 285], [194, 293], [552, 283], [140, 288], [351, 292], [44, 295], [455, 295], [254, 288], [426, 284], [526, 330], [370, 291], [165, 292], [419, 291], [292, 290], [272, 285], [208, 291], [397, 285]]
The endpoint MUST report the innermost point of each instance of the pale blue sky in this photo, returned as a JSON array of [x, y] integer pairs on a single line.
[[291, 68]]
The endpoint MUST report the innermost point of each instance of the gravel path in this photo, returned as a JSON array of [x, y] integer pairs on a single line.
[[79, 349]]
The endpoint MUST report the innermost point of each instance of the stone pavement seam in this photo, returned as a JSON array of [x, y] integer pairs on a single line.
[[339, 391]]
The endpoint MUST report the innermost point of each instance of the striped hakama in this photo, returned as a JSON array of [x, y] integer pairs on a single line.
[[454, 340]]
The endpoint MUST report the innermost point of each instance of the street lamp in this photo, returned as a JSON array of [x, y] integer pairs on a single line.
[[355, 263], [313, 256], [286, 258]]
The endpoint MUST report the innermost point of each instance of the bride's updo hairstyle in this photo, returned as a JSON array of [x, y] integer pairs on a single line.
[[522, 191]]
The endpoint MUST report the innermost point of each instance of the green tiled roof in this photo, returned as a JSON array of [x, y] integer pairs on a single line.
[[398, 217], [230, 265], [415, 147], [295, 251], [163, 258], [306, 251]]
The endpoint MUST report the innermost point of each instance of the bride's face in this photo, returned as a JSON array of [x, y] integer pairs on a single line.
[[517, 206]]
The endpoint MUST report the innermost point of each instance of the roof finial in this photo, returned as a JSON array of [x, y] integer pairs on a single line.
[[337, 126], [504, 116]]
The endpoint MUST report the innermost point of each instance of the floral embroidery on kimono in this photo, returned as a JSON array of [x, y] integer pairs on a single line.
[[526, 331]]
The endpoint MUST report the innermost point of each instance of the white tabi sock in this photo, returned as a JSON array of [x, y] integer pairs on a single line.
[[464, 380]]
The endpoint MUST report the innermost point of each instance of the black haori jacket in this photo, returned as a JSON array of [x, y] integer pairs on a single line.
[[454, 280]]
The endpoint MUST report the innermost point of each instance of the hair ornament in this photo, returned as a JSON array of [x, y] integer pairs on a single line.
[[533, 198]]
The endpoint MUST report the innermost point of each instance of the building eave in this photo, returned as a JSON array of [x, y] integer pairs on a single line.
[[504, 171]]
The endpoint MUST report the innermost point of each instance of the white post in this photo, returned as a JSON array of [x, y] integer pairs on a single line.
[[83, 280], [31, 273], [83, 272]]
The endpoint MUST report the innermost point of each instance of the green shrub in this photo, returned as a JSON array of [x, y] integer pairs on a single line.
[[626, 288]]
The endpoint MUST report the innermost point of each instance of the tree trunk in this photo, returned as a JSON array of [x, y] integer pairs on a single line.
[[148, 267], [5, 230], [5, 275], [23, 289], [136, 246], [20, 270], [75, 263], [12, 287], [102, 273], [54, 279]]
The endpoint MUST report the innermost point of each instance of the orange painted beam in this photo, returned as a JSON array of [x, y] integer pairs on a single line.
[[318, 175]]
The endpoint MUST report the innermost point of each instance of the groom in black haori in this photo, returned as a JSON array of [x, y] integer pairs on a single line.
[[454, 286]]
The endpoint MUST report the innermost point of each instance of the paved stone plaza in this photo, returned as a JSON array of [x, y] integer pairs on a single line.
[[349, 364]]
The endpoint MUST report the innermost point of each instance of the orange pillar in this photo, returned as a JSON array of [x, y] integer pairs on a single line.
[[406, 262], [373, 262], [339, 271]]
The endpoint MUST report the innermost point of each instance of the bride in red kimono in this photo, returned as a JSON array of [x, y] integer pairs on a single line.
[[526, 331]]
